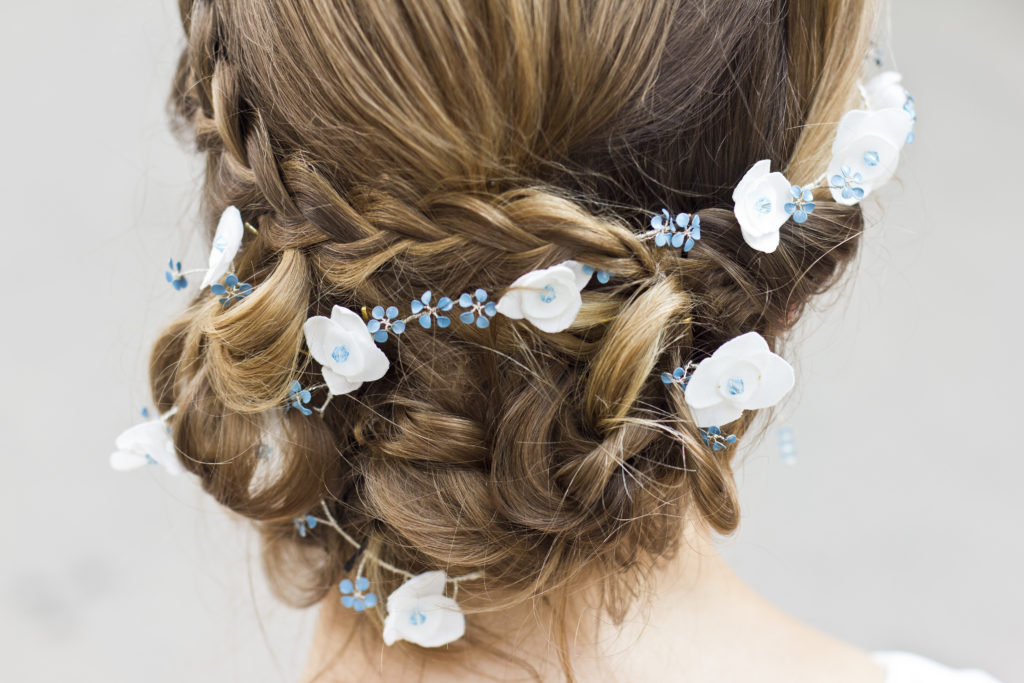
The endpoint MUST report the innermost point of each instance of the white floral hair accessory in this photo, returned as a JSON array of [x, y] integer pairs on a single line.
[[418, 611], [759, 204], [743, 374], [548, 298], [226, 242], [147, 443], [886, 91], [865, 154], [343, 346]]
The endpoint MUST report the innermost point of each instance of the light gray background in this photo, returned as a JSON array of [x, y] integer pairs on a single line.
[[898, 526]]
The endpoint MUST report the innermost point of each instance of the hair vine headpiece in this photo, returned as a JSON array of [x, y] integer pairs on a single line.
[[742, 374], [418, 610]]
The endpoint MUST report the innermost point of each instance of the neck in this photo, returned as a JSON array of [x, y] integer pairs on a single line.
[[696, 616]]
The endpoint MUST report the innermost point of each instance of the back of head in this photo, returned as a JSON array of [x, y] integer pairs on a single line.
[[386, 148]]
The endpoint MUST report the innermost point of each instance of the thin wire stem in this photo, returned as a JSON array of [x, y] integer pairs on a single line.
[[322, 408], [331, 522]]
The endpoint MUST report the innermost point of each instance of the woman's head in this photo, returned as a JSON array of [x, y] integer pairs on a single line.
[[382, 149]]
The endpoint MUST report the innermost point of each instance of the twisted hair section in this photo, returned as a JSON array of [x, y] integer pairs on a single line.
[[389, 147]]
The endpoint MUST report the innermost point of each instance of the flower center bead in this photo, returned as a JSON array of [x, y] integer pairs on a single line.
[[417, 618], [871, 158], [340, 354], [735, 386], [763, 205], [547, 295]]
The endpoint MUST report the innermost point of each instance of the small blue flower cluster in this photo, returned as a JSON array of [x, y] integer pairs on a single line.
[[355, 596], [231, 290], [714, 437], [174, 275], [849, 182], [304, 524], [429, 313], [802, 204], [480, 309], [298, 397], [680, 232], [386, 321], [680, 376]]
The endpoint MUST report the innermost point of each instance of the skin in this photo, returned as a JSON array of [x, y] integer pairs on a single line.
[[702, 623]]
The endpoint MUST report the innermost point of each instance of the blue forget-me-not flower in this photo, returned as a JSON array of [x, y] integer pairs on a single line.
[[428, 313], [174, 275], [713, 437], [355, 595], [297, 397], [384, 320], [802, 204], [480, 309], [231, 290], [304, 524]]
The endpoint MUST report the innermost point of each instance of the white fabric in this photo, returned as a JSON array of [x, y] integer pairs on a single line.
[[904, 667]]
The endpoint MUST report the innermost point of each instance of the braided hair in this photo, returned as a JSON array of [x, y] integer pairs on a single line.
[[383, 148]]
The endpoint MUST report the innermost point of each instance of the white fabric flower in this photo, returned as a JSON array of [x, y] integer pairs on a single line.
[[760, 201], [743, 374], [226, 242], [548, 298], [345, 349], [885, 91], [147, 443], [419, 611], [868, 143]]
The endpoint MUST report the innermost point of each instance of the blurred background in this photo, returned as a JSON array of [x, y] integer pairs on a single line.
[[883, 506]]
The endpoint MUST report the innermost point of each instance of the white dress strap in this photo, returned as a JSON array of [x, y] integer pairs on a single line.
[[904, 667]]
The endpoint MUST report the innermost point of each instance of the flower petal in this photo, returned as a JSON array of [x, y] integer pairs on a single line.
[[511, 304], [580, 275], [375, 365], [449, 624], [764, 243], [350, 321], [226, 242], [316, 329], [702, 390], [743, 346], [756, 172], [777, 379], [718, 414], [339, 384], [123, 461], [427, 583]]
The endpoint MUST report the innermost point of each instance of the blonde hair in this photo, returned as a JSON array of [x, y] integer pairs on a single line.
[[387, 147]]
